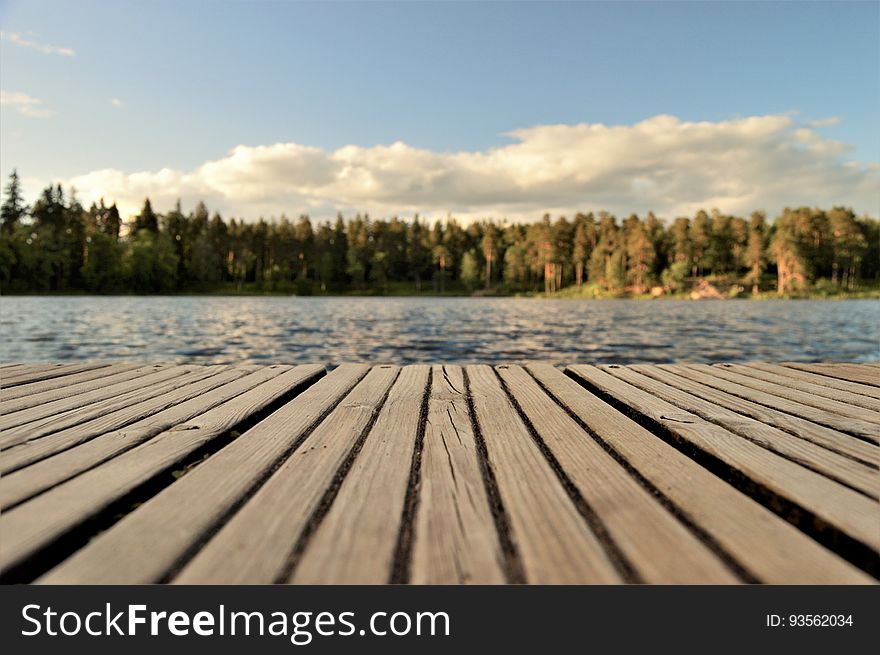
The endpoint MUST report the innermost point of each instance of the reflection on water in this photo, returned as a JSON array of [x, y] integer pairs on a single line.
[[407, 330]]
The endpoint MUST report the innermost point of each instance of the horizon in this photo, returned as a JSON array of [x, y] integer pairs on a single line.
[[314, 119]]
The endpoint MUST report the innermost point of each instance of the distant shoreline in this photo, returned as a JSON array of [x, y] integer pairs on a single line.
[[872, 294]]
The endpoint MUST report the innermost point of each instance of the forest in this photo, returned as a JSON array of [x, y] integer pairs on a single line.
[[58, 246]]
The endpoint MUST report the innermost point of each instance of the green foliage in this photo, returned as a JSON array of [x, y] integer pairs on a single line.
[[146, 220], [13, 209], [57, 246], [470, 270], [674, 277], [151, 263], [102, 269]]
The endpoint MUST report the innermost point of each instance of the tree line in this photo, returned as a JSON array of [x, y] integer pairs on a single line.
[[57, 245]]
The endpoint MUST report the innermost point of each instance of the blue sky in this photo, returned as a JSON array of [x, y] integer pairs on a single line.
[[193, 80]]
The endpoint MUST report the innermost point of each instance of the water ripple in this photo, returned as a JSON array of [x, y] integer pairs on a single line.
[[419, 330]]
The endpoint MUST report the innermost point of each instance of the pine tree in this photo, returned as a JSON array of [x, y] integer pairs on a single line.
[[849, 247], [584, 241], [640, 256], [146, 220], [700, 240], [489, 241], [679, 233], [14, 209], [470, 269], [756, 257], [786, 250]]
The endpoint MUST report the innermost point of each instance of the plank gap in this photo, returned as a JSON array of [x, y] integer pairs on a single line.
[[65, 544], [323, 506], [735, 566], [740, 432], [621, 563], [847, 547], [208, 534], [513, 566], [400, 570]]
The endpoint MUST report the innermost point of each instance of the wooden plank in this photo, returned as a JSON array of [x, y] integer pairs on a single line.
[[357, 539], [41, 523], [14, 370], [256, 546], [765, 546], [148, 544], [24, 367], [455, 540], [442, 475], [25, 393], [862, 429], [823, 380], [192, 385], [27, 436], [105, 389], [851, 373], [11, 367], [25, 483], [48, 371], [770, 373], [837, 467], [554, 542], [789, 392], [68, 386], [833, 440], [842, 509], [655, 544]]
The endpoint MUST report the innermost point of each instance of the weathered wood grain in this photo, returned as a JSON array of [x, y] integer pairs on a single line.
[[14, 370], [24, 483], [801, 428], [656, 545], [768, 375], [152, 542], [851, 373], [765, 546], [39, 372], [116, 473], [840, 508], [36, 393], [9, 393], [158, 382], [109, 388], [553, 540], [172, 392], [257, 544], [41, 522], [820, 380], [725, 372], [356, 541], [837, 467], [455, 540], [862, 429]]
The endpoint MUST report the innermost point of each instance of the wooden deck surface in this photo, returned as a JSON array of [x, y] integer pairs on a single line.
[[163, 473]]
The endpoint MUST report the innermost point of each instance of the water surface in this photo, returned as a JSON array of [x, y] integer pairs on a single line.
[[408, 330]]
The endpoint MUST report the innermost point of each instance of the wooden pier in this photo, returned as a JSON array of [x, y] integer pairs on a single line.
[[161, 473]]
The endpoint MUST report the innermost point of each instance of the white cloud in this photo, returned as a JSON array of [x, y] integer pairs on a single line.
[[23, 103], [45, 48], [824, 122], [116, 102], [664, 164]]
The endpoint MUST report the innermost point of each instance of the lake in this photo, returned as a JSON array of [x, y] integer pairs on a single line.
[[409, 330]]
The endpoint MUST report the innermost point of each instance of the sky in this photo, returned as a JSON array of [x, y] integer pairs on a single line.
[[502, 110]]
